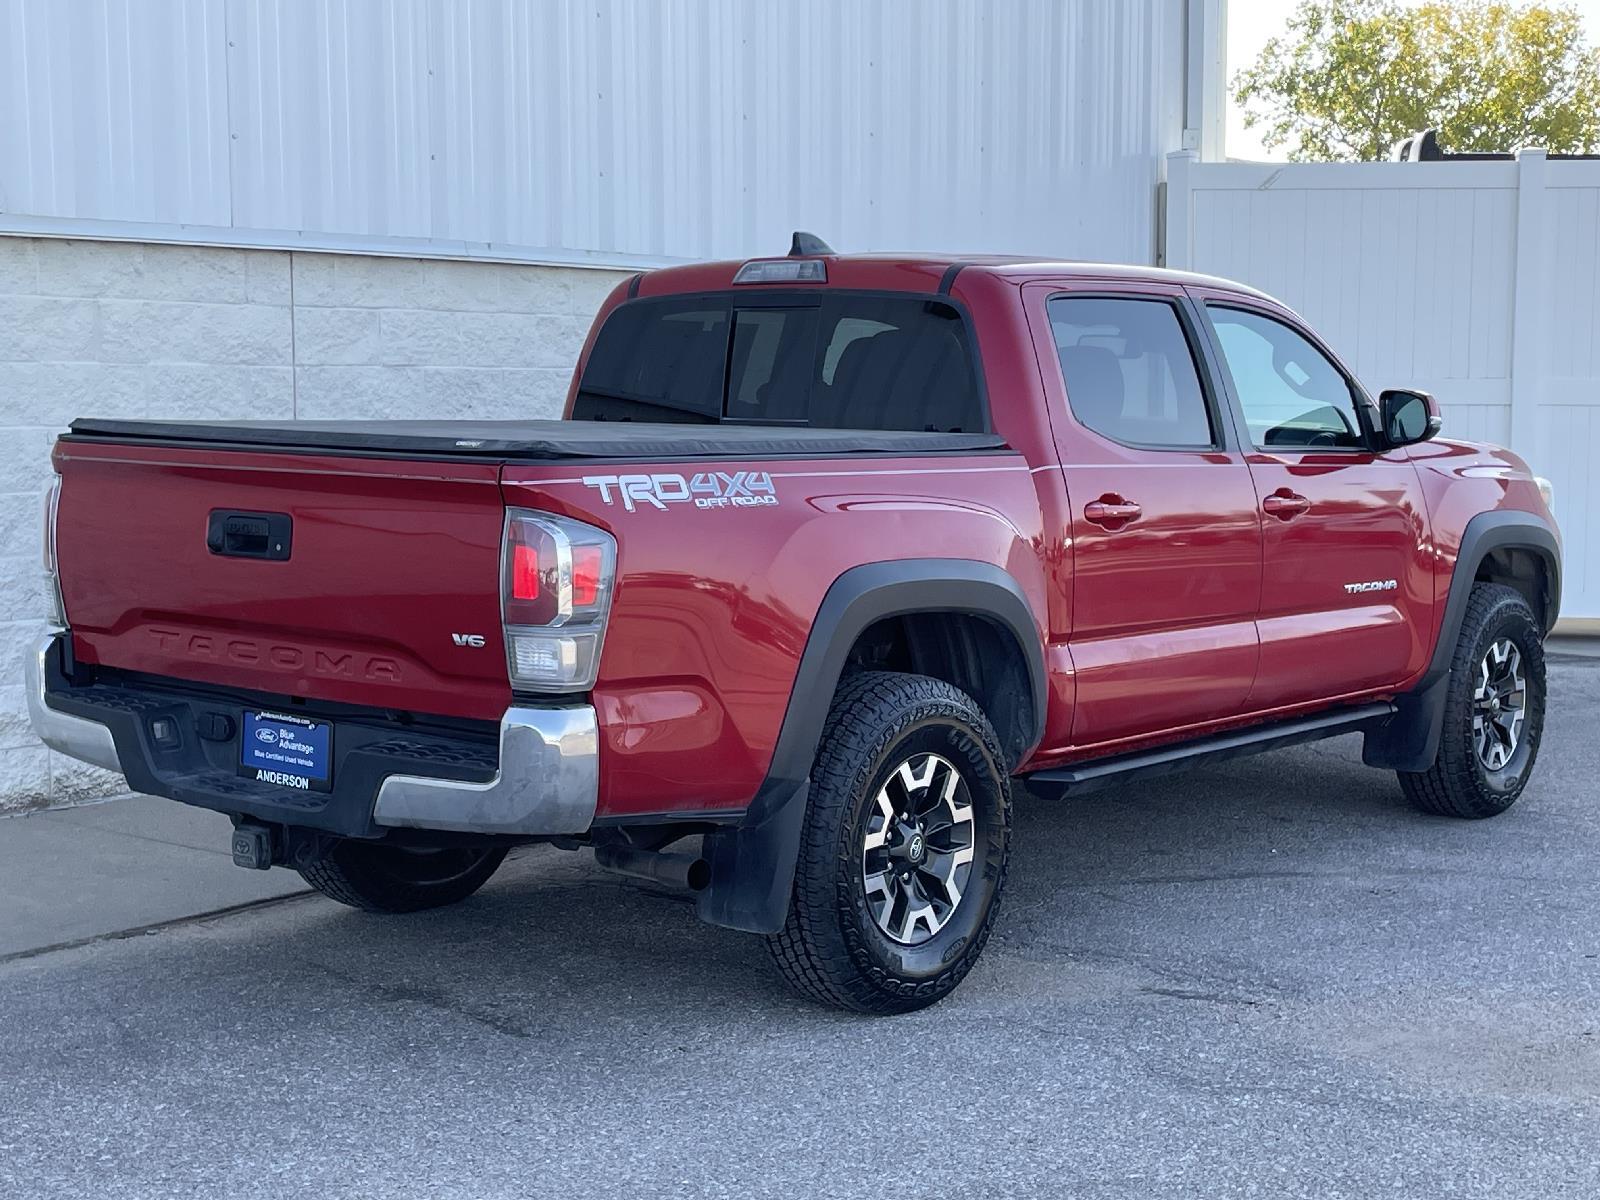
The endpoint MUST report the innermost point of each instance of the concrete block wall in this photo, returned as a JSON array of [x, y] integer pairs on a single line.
[[141, 330]]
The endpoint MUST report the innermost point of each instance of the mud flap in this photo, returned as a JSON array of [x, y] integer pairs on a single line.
[[752, 866], [1409, 740]]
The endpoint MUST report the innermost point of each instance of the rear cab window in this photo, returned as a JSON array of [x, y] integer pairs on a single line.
[[660, 361], [834, 360]]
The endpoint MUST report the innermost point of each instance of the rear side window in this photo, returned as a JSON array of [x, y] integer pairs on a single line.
[[1129, 371], [836, 361]]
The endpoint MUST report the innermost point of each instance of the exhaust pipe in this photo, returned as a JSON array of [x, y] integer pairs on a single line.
[[688, 871]]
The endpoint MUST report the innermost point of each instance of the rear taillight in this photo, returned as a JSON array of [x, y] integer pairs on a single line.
[[524, 572], [556, 583], [52, 504]]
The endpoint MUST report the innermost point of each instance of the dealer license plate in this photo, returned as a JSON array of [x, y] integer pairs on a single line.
[[288, 751]]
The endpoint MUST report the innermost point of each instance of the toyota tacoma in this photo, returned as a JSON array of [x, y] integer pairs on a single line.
[[827, 555]]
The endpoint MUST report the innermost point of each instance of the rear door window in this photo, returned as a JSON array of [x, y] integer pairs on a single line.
[[838, 360], [1130, 373]]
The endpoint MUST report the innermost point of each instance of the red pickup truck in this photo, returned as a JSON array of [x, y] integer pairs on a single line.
[[828, 553]]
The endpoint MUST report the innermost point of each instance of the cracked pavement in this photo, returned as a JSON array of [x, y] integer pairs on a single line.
[[1268, 978]]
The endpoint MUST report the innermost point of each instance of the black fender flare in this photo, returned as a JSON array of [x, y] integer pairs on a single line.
[[752, 863], [1409, 741]]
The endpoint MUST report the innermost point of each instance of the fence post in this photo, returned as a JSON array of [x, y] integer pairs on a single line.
[[1176, 211], [1528, 318]]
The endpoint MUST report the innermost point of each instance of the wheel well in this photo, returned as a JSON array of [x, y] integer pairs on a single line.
[[966, 650], [1524, 570]]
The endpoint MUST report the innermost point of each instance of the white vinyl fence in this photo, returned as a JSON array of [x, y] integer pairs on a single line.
[[1476, 281]]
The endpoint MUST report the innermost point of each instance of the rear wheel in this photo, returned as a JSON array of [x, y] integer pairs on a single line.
[[904, 852], [379, 877], [1494, 711]]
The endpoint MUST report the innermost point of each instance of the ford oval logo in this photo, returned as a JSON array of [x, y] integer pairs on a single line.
[[270, 736]]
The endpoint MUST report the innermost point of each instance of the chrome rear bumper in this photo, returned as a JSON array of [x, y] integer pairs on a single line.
[[76, 737], [546, 779]]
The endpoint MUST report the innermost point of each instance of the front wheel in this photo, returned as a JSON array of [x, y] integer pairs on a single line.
[[1493, 711], [380, 877], [904, 852]]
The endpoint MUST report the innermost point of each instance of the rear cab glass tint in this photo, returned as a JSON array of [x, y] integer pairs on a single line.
[[661, 361], [836, 360]]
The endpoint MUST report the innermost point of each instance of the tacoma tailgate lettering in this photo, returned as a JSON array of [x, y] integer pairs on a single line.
[[326, 663]]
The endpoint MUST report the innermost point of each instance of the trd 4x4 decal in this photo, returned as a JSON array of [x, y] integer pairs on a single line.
[[706, 489]]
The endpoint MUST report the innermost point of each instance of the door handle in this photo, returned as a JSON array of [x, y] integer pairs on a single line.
[[1111, 511], [1285, 505]]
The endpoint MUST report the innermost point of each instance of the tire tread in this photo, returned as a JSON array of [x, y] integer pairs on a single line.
[[1451, 787], [869, 711]]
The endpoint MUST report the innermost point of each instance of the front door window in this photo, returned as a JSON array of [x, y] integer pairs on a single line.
[[1292, 396]]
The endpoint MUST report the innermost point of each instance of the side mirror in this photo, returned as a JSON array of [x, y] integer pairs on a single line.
[[1408, 416]]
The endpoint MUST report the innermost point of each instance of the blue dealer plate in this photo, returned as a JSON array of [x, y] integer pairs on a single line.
[[288, 751]]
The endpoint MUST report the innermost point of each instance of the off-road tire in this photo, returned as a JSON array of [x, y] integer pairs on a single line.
[[832, 948], [1459, 784], [383, 878]]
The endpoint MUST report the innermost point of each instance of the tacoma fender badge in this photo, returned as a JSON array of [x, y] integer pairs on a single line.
[[706, 489], [1376, 585]]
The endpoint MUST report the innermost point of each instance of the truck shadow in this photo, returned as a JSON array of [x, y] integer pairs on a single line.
[[554, 940], [1302, 848]]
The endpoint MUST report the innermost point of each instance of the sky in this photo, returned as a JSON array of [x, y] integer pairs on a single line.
[[1252, 22]]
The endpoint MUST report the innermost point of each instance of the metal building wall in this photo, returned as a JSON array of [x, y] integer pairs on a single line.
[[612, 130], [115, 110]]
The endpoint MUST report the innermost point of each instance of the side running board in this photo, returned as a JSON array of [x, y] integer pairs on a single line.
[[1166, 760]]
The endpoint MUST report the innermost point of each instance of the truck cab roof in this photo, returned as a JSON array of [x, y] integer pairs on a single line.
[[899, 271]]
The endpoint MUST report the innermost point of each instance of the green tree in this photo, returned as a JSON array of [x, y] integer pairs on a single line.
[[1349, 78]]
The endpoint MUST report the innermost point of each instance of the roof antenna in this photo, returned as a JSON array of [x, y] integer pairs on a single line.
[[805, 244]]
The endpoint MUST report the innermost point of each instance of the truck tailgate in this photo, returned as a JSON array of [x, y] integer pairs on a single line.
[[386, 594]]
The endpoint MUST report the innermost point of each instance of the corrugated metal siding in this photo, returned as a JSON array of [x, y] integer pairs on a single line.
[[328, 106], [114, 110], [670, 128]]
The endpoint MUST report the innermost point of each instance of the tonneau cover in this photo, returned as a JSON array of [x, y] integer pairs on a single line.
[[542, 439]]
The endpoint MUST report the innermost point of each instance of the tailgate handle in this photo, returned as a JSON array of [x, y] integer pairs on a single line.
[[249, 534]]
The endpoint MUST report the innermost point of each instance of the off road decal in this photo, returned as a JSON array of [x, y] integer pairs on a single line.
[[706, 489]]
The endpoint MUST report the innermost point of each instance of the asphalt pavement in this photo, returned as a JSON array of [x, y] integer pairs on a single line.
[[1268, 979]]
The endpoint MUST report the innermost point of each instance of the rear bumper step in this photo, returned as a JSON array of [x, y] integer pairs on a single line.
[[547, 782], [1101, 772], [541, 779]]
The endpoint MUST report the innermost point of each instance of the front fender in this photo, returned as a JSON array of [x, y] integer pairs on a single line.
[[1409, 741]]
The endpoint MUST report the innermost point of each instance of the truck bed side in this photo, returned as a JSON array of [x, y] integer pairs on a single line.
[[723, 565]]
